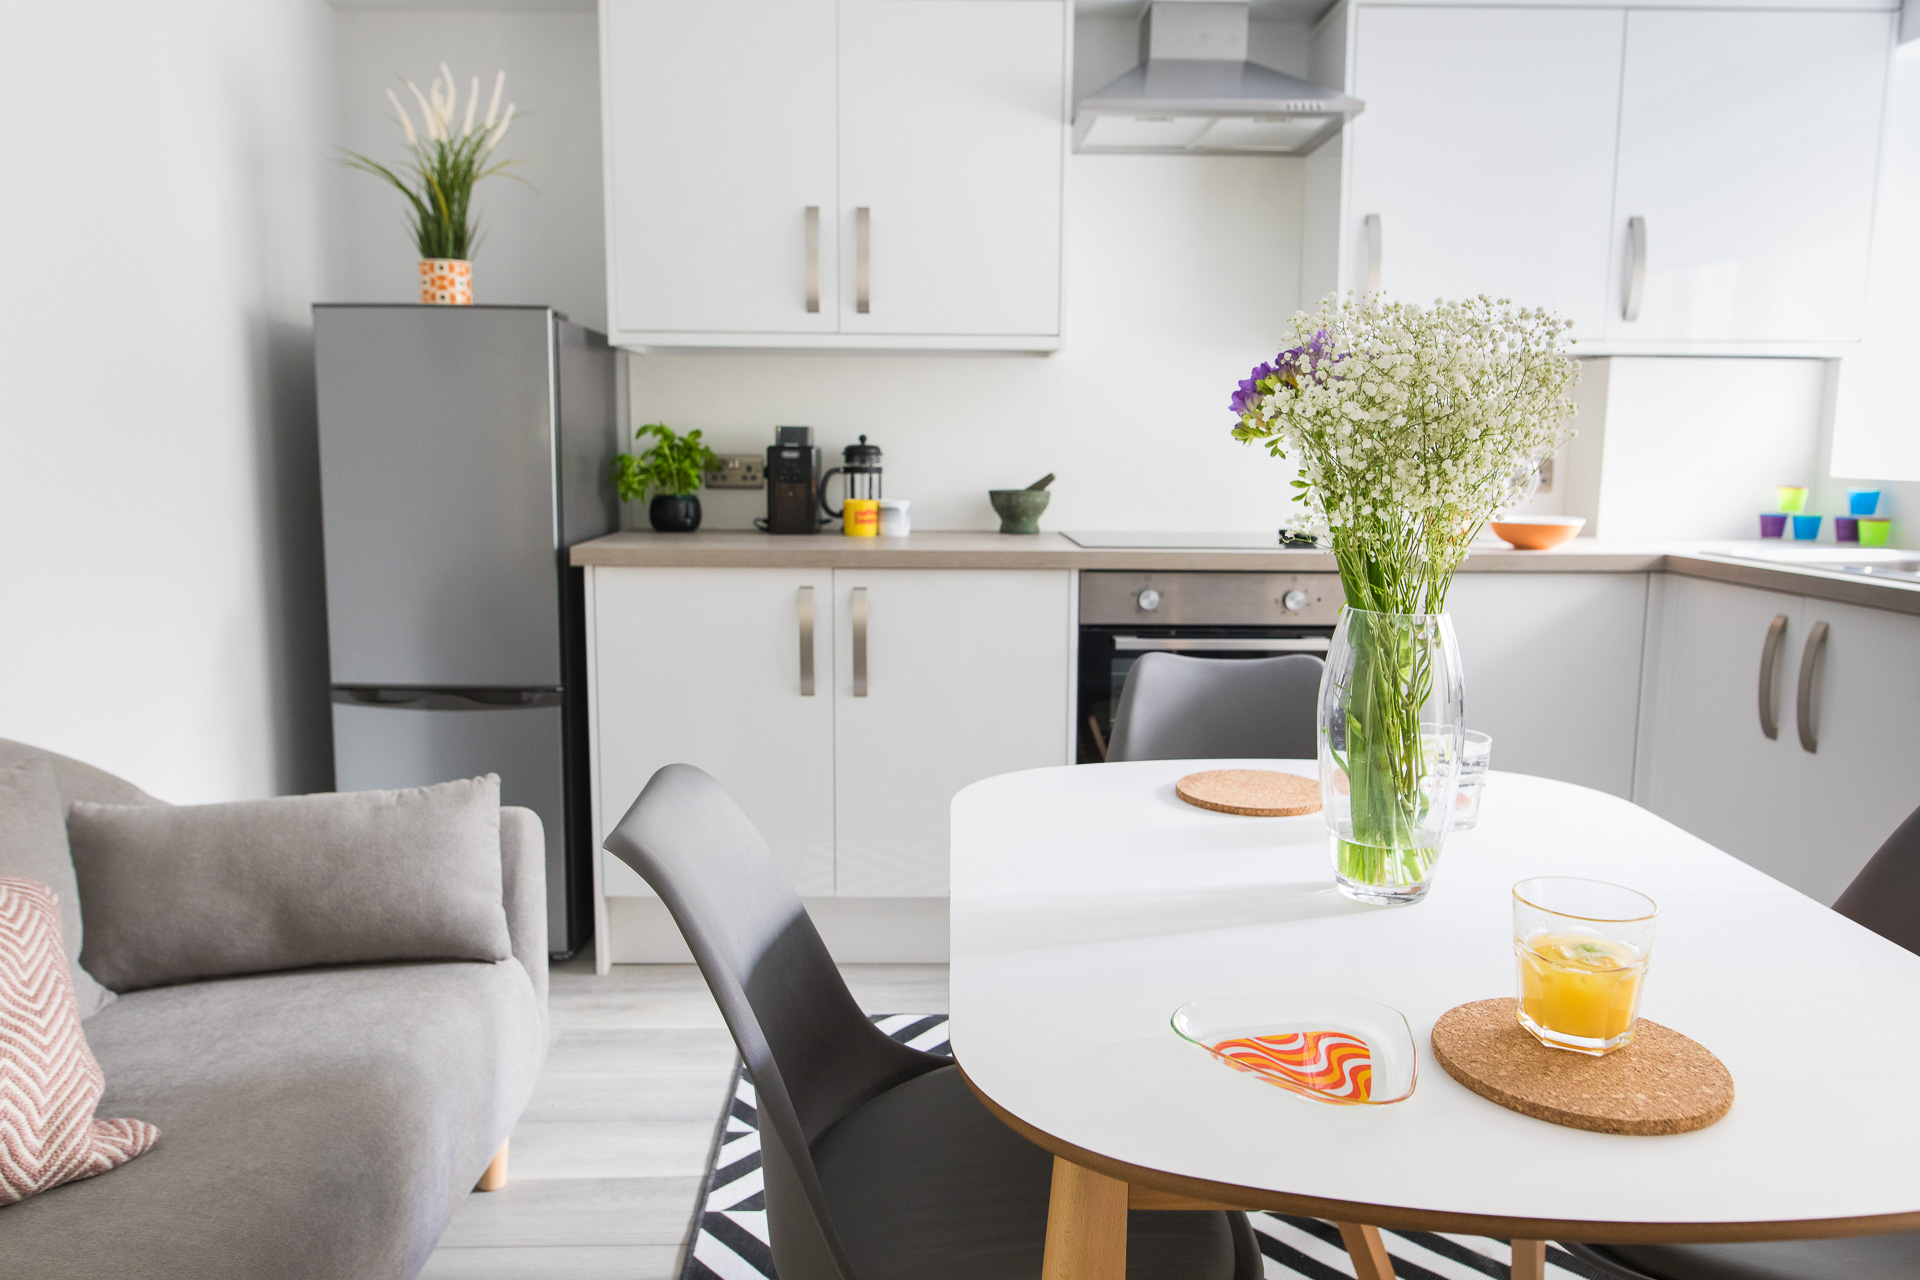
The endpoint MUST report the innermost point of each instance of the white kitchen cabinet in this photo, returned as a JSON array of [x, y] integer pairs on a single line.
[[851, 174], [1811, 819], [1749, 143], [967, 674], [1553, 670], [950, 137], [1486, 154], [704, 667], [1540, 151], [953, 676], [719, 121]]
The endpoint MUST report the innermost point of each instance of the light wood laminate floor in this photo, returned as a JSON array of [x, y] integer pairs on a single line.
[[607, 1161]]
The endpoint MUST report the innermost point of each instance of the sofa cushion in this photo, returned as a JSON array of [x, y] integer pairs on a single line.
[[49, 1083], [319, 1125], [33, 846], [179, 892]]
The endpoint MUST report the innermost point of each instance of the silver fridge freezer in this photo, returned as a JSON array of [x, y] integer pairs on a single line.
[[462, 451]]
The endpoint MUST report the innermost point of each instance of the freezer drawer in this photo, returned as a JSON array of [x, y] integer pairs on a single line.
[[427, 741]]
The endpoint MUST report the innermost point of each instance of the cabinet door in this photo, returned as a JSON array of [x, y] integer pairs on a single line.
[[719, 120], [1553, 670], [952, 138], [1710, 767], [1748, 144], [703, 667], [1863, 778], [968, 674], [1486, 150]]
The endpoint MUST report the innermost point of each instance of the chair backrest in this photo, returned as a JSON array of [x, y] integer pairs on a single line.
[[1180, 708], [812, 1053], [1885, 896]]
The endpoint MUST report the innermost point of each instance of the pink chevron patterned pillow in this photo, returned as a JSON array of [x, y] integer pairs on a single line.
[[49, 1080]]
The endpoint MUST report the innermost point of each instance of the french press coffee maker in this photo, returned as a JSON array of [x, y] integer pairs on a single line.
[[860, 469]]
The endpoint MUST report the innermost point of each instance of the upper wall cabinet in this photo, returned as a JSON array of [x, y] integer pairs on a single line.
[[835, 173], [1673, 180]]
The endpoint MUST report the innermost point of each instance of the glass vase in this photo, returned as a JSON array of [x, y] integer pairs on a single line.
[[1391, 730]]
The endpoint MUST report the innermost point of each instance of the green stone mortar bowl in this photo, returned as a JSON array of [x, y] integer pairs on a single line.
[[1019, 508]]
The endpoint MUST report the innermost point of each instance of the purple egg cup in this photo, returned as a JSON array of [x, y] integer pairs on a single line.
[[1846, 528], [1773, 525]]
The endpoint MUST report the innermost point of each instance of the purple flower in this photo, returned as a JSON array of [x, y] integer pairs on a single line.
[[1250, 389]]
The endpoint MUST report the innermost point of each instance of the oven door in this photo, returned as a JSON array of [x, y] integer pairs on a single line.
[[1107, 654]]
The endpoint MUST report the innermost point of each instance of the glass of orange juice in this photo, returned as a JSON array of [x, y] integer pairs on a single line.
[[1582, 948]]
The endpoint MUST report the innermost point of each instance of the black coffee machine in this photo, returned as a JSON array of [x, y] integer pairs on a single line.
[[793, 482]]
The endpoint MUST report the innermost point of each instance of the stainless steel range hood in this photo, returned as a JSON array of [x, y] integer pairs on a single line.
[[1195, 93]]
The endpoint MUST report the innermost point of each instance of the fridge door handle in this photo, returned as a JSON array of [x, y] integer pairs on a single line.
[[481, 699]]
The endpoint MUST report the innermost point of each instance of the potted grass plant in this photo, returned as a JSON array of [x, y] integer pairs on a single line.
[[671, 469], [1410, 426], [444, 162]]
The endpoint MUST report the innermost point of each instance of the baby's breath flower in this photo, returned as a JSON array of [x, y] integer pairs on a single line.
[[1410, 426]]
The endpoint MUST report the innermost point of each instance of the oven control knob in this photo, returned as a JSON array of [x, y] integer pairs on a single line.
[[1294, 601], [1148, 599]]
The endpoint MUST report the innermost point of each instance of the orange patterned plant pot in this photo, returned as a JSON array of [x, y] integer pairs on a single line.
[[446, 282]]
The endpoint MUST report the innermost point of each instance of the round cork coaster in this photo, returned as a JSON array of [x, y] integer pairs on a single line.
[[1257, 793], [1661, 1083]]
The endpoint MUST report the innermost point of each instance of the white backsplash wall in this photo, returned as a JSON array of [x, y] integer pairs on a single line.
[[1181, 271], [543, 242], [1690, 448]]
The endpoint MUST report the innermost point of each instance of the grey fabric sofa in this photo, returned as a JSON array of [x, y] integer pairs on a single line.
[[314, 1123]]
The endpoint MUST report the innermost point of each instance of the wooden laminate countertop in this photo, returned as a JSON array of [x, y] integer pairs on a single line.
[[725, 549]]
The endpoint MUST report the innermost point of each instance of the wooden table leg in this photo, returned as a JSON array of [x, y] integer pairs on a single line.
[[1529, 1260], [1370, 1260], [1086, 1226]]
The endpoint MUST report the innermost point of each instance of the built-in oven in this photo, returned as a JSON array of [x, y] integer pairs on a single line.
[[1225, 616]]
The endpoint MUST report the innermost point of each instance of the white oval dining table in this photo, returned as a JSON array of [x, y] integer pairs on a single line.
[[1089, 902]]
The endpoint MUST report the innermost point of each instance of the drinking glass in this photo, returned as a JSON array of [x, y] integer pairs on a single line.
[[1582, 948], [1476, 753]]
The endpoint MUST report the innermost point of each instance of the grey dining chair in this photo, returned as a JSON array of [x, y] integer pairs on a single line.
[[879, 1162], [1884, 897], [1179, 708]]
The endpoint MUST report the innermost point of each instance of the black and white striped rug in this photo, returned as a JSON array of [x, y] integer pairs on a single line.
[[729, 1241]]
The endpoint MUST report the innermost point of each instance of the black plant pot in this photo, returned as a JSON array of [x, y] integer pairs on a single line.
[[674, 513]]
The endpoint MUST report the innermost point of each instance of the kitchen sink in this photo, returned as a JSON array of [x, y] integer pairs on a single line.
[[1891, 570]]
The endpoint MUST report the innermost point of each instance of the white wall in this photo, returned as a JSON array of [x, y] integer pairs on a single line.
[[543, 243], [158, 510], [1690, 448]]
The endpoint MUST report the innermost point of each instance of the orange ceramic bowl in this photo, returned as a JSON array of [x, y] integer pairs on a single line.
[[1537, 533]]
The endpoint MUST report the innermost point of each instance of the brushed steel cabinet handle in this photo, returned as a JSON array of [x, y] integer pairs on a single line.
[[863, 261], [1769, 660], [1372, 224], [806, 642], [1636, 281], [813, 263], [859, 642], [1803, 701]]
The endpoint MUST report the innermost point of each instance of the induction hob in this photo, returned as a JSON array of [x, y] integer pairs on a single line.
[[1130, 540]]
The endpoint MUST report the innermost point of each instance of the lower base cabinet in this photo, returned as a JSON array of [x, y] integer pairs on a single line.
[[842, 709], [1553, 670], [1809, 804]]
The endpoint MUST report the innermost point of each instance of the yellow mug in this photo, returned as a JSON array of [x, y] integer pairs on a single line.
[[861, 517]]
